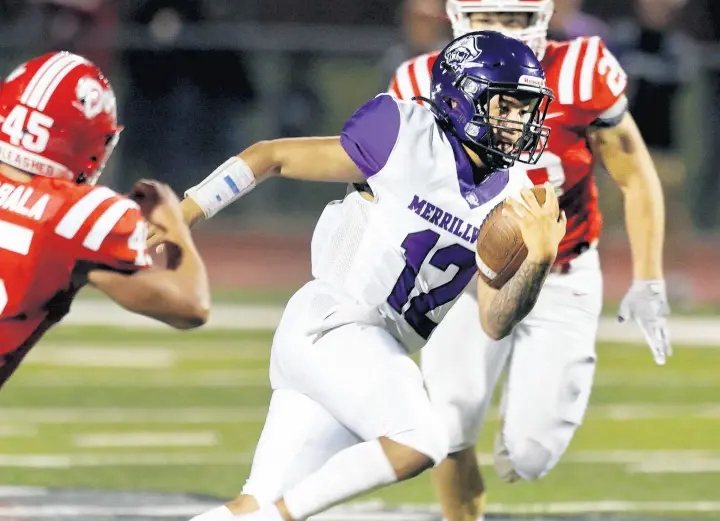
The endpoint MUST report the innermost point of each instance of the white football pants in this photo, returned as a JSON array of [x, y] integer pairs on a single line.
[[550, 362], [353, 383]]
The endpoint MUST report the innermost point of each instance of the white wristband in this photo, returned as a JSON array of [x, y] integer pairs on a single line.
[[484, 268], [228, 183]]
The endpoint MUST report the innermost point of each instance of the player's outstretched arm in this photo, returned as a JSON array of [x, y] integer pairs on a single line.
[[308, 159], [179, 295], [626, 157], [542, 229]]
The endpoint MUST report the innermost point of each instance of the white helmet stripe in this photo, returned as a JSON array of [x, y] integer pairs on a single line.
[[56, 81], [46, 79], [38, 75]]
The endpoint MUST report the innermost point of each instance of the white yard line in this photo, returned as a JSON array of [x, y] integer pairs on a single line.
[[147, 439], [196, 378], [687, 466], [634, 461], [11, 492], [104, 415], [252, 414], [367, 511], [121, 459], [259, 379], [90, 356], [17, 431], [93, 512], [223, 316], [699, 331], [684, 380], [580, 507]]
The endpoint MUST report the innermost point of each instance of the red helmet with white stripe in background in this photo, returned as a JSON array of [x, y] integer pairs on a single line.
[[534, 35], [58, 118]]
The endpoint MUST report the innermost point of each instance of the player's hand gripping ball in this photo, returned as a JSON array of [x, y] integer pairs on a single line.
[[500, 246], [161, 209]]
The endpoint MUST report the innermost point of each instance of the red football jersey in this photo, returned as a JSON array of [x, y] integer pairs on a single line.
[[587, 81], [51, 231]]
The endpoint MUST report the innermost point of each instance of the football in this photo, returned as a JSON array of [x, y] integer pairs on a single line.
[[500, 247], [145, 194]]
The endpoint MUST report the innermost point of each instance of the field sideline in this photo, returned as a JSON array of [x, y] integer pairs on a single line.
[[139, 407], [698, 331]]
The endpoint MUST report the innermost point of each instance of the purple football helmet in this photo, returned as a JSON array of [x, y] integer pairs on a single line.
[[468, 74]]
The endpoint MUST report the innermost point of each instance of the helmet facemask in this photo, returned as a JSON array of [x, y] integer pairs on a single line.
[[502, 141], [534, 35]]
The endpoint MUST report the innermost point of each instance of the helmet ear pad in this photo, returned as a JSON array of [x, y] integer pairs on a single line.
[[459, 109]]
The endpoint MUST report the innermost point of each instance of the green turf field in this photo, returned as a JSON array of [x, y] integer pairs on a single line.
[[158, 410]]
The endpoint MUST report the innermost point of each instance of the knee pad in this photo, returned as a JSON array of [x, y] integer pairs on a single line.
[[430, 440], [462, 415], [528, 459]]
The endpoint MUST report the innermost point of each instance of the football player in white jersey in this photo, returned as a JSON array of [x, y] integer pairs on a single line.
[[349, 412], [550, 356]]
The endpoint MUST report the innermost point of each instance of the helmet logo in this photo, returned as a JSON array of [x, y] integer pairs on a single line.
[[93, 98], [472, 130], [461, 51], [533, 81]]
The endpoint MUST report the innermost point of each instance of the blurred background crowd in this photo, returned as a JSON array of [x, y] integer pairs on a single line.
[[200, 79]]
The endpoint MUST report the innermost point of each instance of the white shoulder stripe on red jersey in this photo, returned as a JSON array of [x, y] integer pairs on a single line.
[[107, 221], [422, 76], [393, 89], [412, 78], [15, 238], [587, 75], [566, 89], [404, 85], [81, 210]]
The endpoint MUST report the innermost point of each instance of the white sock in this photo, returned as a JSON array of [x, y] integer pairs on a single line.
[[347, 474], [216, 514]]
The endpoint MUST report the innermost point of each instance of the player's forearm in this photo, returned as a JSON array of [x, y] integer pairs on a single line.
[[645, 222], [155, 295], [304, 159], [178, 296], [187, 273], [308, 159], [627, 159], [512, 303]]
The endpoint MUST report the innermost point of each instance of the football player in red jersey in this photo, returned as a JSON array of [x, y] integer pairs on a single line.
[[550, 356], [58, 231]]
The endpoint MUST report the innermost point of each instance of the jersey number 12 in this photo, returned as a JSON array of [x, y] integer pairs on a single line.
[[417, 247]]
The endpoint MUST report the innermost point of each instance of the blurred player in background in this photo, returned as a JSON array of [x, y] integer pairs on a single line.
[[58, 231], [349, 412], [550, 356]]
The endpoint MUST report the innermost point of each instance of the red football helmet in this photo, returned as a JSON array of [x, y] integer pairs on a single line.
[[534, 35], [58, 118]]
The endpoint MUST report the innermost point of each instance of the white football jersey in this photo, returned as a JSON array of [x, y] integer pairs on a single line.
[[402, 260]]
